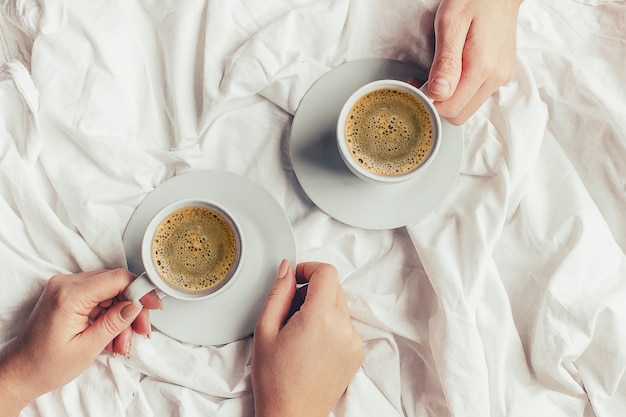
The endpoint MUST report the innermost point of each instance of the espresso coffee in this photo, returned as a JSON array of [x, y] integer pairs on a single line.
[[389, 132], [194, 249]]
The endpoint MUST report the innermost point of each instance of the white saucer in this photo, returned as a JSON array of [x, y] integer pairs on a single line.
[[233, 313], [328, 182]]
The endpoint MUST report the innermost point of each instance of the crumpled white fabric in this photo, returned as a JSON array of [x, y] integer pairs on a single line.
[[506, 300]]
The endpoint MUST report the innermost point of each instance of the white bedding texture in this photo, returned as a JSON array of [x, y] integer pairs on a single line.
[[506, 299]]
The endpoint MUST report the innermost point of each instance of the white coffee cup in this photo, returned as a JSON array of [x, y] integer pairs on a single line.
[[152, 278], [432, 122]]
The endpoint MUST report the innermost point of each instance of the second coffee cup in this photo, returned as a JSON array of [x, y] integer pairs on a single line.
[[191, 250], [388, 131]]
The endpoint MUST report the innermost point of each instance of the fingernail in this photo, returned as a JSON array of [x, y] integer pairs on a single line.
[[283, 269], [128, 347], [439, 86], [160, 303], [130, 312]]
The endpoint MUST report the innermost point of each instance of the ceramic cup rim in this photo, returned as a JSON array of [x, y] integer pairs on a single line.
[[146, 245], [353, 165]]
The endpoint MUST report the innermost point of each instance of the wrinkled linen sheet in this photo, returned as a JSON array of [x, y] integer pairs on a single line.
[[509, 299]]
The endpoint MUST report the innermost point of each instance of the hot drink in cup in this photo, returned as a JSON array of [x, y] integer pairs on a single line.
[[388, 131], [190, 250]]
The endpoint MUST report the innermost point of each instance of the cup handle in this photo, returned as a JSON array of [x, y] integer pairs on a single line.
[[140, 287], [424, 89]]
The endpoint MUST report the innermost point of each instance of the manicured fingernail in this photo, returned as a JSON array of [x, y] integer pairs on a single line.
[[130, 312], [439, 86], [160, 303], [283, 269], [128, 347]]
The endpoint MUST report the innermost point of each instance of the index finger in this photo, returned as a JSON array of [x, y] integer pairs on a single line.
[[322, 280], [451, 27], [105, 285]]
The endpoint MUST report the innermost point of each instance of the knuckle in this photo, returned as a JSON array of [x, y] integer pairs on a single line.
[[111, 326], [496, 77], [325, 273], [327, 270], [55, 282], [488, 67], [443, 23], [448, 21], [447, 62], [60, 290], [121, 275]]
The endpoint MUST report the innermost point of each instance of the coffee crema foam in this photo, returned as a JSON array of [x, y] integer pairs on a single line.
[[389, 132], [194, 249]]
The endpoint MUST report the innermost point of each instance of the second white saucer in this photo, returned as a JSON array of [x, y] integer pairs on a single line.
[[328, 182]]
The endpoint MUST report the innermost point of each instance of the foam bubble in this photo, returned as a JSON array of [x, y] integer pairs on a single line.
[[194, 249], [389, 132]]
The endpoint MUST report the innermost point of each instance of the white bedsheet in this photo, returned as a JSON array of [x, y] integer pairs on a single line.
[[509, 299]]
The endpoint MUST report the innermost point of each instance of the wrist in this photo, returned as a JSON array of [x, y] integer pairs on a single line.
[[14, 387], [274, 409], [271, 408], [263, 409]]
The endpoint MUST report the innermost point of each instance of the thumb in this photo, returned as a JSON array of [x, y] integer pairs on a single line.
[[278, 302], [111, 323], [445, 72]]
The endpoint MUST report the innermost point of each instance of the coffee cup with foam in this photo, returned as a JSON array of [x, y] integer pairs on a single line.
[[191, 250], [388, 131]]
